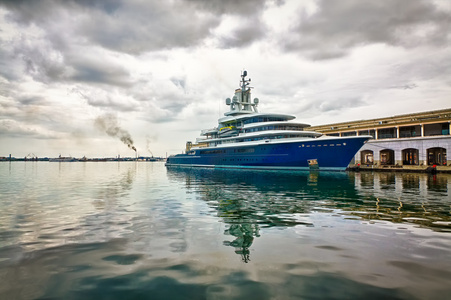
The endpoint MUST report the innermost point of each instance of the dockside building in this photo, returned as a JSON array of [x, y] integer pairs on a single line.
[[410, 141]]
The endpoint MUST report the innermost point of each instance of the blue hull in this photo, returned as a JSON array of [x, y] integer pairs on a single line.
[[330, 154]]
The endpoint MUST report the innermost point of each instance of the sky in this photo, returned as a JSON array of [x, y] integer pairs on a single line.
[[97, 78]]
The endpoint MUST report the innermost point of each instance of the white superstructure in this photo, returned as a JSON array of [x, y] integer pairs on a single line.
[[243, 122]]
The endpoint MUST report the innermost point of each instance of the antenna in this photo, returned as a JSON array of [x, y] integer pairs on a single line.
[[244, 82]]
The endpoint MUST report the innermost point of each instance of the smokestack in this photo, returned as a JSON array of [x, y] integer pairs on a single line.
[[110, 125], [148, 144]]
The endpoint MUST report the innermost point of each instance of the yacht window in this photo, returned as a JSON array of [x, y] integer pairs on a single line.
[[212, 151], [245, 150]]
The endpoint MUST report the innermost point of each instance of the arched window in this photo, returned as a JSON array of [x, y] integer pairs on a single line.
[[366, 157], [410, 156], [436, 156], [387, 157]]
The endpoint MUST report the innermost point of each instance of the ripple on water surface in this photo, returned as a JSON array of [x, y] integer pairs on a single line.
[[137, 230]]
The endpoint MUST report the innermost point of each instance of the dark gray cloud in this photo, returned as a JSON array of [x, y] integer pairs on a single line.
[[31, 100], [44, 63], [163, 25], [100, 70], [154, 27], [248, 32], [237, 7], [8, 70], [70, 33], [38, 12], [39, 60], [339, 26], [133, 26]]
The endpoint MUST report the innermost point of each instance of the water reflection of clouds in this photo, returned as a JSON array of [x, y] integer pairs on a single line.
[[249, 201], [55, 209], [107, 193]]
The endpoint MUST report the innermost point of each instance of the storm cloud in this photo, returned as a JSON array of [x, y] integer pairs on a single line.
[[339, 26], [131, 27]]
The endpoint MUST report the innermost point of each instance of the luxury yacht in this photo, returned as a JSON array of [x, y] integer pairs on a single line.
[[247, 138]]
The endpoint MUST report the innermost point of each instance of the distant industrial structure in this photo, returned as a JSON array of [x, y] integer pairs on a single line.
[[407, 142]]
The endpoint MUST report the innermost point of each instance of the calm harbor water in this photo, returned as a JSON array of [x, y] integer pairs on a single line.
[[128, 230]]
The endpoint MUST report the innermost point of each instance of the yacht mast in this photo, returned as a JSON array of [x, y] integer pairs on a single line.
[[241, 102]]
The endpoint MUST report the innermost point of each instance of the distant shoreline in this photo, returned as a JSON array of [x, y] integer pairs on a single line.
[[84, 159]]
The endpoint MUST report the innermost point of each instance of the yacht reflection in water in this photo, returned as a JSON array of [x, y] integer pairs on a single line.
[[250, 200], [244, 234]]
